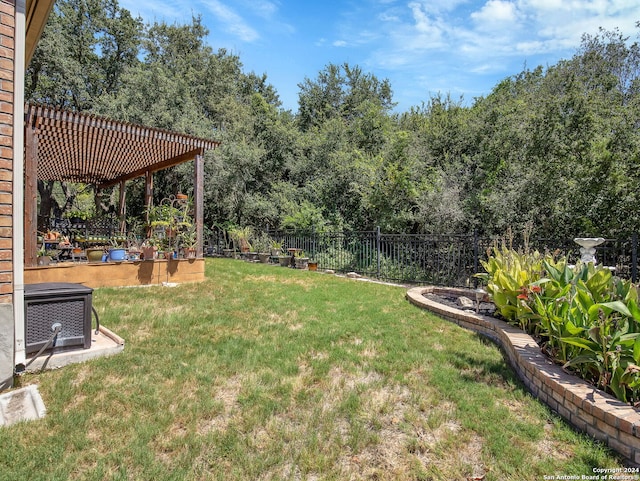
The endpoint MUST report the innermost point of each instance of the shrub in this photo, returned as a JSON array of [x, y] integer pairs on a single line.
[[584, 317]]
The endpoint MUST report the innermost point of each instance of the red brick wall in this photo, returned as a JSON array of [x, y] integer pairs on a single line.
[[7, 60]]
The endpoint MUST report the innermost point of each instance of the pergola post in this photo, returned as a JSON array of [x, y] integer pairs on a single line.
[[123, 207], [31, 196], [148, 197], [198, 193]]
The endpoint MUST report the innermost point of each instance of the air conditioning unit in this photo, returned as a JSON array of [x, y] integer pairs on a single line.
[[52, 303]]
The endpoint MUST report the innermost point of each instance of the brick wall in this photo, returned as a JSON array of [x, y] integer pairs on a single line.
[[589, 410], [7, 59]]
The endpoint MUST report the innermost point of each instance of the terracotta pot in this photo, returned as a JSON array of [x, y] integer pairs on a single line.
[[313, 266], [149, 253]]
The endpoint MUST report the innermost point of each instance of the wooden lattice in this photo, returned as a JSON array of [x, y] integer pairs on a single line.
[[78, 147]]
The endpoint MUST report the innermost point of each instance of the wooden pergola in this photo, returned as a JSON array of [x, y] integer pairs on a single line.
[[76, 147]]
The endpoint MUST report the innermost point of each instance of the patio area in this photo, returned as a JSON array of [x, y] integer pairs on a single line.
[[82, 148]]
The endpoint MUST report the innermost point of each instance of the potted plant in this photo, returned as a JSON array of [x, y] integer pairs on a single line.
[[301, 259], [77, 217], [284, 260], [45, 256], [189, 241], [117, 253], [149, 249], [262, 246], [240, 237], [276, 248], [313, 265], [170, 217], [165, 248], [134, 247], [94, 254], [243, 235]]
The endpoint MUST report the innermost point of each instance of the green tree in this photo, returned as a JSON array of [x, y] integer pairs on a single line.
[[85, 48]]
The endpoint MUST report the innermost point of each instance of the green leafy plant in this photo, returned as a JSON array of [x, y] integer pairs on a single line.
[[240, 236], [262, 243], [42, 252], [584, 317], [189, 237], [508, 273]]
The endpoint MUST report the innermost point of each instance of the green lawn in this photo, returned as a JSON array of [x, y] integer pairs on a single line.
[[263, 372]]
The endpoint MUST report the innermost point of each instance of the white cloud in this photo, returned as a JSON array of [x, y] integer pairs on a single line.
[[388, 17], [151, 10], [339, 43], [423, 23], [231, 21], [495, 13], [262, 8], [441, 6]]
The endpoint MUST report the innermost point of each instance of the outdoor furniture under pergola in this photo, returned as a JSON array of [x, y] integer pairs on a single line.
[[61, 145]]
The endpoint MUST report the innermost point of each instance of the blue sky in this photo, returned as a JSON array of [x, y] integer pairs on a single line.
[[424, 47]]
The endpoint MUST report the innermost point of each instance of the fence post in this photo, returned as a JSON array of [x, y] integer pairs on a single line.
[[634, 257], [378, 251], [475, 257]]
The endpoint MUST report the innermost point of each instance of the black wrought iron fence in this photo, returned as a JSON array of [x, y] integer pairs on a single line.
[[449, 260]]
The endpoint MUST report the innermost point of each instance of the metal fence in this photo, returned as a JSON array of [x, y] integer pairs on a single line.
[[446, 260]]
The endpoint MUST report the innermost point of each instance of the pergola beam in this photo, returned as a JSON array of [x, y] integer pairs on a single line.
[[78, 147], [155, 168]]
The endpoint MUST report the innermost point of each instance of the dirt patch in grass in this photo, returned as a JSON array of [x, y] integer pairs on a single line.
[[227, 395], [286, 318], [549, 447], [287, 281]]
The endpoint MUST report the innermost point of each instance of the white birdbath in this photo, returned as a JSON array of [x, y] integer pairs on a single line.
[[587, 248]]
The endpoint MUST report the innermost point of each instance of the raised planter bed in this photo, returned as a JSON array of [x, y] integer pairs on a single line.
[[588, 409], [117, 274]]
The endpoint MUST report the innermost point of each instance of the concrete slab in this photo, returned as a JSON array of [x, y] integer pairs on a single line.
[[104, 343], [23, 404]]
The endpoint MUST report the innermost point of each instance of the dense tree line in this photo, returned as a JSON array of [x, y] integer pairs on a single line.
[[555, 147]]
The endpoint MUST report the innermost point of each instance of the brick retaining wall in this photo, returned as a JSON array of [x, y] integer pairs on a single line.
[[588, 409]]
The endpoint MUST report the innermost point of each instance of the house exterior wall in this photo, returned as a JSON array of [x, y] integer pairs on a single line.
[[7, 122]]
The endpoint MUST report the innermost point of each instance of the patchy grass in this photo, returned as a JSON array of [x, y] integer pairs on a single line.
[[268, 373]]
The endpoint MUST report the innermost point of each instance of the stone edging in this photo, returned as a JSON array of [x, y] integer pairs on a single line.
[[589, 410]]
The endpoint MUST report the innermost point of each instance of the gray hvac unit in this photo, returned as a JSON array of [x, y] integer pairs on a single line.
[[51, 303]]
